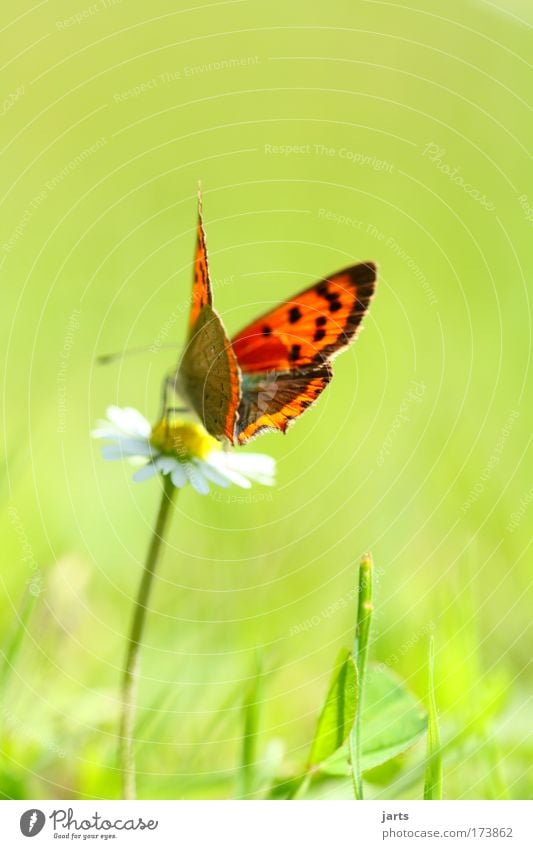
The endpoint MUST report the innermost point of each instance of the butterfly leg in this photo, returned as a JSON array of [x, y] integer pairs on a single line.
[[169, 386], [166, 386]]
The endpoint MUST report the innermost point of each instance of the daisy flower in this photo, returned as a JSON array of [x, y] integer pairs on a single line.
[[181, 449]]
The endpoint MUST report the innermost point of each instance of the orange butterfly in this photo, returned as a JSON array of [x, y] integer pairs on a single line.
[[274, 369]]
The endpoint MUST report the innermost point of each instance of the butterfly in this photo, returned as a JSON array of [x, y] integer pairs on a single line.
[[267, 375]]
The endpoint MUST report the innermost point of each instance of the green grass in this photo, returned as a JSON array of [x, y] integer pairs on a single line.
[[418, 451], [360, 653], [433, 776]]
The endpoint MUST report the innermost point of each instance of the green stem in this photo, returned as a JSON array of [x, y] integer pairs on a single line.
[[251, 714], [362, 633], [131, 664], [433, 777]]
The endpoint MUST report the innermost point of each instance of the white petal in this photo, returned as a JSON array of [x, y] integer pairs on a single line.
[[215, 475], [104, 430], [219, 460], [178, 476], [116, 416], [128, 421], [112, 452], [145, 473], [237, 479], [135, 423], [130, 447], [166, 464], [122, 422], [138, 446], [256, 467], [253, 465], [196, 478]]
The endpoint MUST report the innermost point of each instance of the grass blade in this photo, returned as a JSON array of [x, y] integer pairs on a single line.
[[250, 715], [362, 634], [433, 776], [9, 654]]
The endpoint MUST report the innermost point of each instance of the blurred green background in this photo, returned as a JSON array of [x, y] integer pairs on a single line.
[[413, 131]]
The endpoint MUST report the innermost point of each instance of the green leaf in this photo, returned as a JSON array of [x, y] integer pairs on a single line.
[[338, 714], [392, 721]]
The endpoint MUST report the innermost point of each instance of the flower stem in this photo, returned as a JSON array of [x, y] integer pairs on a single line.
[[362, 633], [131, 664]]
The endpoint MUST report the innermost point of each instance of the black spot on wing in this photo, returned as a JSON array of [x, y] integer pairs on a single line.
[[294, 353]]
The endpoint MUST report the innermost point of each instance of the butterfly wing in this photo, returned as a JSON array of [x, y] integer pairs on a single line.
[[311, 327], [273, 400], [284, 355], [208, 376], [201, 287]]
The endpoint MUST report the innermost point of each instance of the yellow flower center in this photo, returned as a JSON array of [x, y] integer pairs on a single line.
[[183, 440]]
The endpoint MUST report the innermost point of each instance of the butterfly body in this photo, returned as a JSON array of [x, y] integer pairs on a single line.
[[273, 370]]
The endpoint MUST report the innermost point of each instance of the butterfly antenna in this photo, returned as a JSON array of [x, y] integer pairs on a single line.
[[106, 359], [199, 197]]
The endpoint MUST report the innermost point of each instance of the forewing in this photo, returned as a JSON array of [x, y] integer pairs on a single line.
[[201, 287], [311, 327]]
